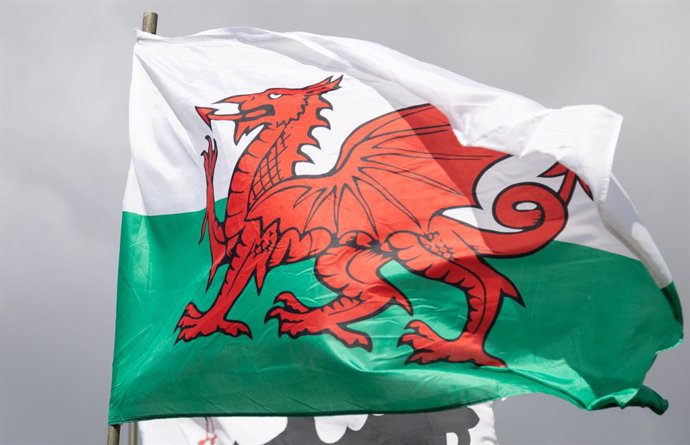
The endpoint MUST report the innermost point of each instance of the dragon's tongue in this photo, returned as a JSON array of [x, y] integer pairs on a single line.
[[254, 113], [209, 114], [225, 117]]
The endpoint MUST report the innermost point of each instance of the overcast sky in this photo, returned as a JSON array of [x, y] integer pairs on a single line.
[[64, 79]]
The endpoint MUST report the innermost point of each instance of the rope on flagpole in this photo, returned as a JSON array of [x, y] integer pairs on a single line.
[[150, 25]]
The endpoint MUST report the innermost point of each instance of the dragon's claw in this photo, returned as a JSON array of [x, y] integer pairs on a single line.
[[192, 311], [422, 337], [421, 357], [296, 320], [283, 314], [193, 324], [291, 302], [292, 329], [430, 347], [186, 321], [423, 330]]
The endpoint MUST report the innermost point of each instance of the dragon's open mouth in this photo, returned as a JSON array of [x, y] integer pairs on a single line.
[[209, 114], [255, 113]]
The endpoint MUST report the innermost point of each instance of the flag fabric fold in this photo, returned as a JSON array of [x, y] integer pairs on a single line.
[[315, 225]]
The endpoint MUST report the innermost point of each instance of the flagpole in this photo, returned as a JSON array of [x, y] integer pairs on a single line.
[[113, 435], [133, 433], [150, 25]]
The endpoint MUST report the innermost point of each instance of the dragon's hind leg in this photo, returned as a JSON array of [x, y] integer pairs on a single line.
[[441, 256], [362, 293]]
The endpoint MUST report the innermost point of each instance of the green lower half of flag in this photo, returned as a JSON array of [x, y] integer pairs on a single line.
[[591, 327]]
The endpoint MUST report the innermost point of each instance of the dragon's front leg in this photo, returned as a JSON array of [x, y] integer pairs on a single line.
[[195, 323], [362, 293]]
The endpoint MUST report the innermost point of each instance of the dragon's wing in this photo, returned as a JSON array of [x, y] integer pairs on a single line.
[[394, 173]]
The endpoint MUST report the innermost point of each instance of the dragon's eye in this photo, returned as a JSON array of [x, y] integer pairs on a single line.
[[274, 95]]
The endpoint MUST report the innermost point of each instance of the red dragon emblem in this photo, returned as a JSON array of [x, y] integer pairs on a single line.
[[383, 201]]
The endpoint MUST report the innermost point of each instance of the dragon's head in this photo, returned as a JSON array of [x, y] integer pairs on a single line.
[[273, 107]]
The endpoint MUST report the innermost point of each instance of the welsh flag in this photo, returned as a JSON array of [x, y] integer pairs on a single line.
[[316, 225]]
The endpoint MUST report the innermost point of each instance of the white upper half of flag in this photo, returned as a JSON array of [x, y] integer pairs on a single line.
[[172, 76]]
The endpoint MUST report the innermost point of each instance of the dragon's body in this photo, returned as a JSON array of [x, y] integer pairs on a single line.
[[383, 201]]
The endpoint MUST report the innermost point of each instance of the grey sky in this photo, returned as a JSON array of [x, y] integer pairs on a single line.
[[64, 79]]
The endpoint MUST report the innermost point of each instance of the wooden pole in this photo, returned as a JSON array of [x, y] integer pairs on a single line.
[[133, 437], [150, 25], [113, 434]]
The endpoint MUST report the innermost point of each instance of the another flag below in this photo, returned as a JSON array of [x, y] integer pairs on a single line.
[[472, 425], [315, 225]]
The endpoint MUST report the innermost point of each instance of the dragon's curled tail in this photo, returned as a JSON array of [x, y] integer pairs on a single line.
[[537, 225]]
